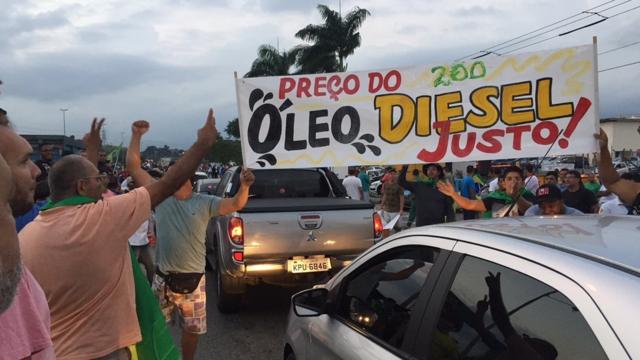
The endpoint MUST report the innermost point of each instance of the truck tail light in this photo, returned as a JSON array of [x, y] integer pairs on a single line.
[[377, 225], [238, 255], [236, 230]]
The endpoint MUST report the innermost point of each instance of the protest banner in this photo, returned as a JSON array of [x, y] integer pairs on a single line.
[[489, 108]]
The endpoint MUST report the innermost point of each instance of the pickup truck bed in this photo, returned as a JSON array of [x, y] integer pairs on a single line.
[[296, 228]]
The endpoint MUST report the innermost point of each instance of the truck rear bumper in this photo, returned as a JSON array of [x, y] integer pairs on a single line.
[[275, 271]]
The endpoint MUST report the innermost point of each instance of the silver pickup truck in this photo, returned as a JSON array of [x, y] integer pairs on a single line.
[[297, 228]]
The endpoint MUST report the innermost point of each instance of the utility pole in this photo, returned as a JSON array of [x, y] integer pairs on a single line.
[[64, 129], [64, 121]]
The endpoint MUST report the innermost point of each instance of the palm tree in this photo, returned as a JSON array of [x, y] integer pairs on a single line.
[[332, 41], [271, 62]]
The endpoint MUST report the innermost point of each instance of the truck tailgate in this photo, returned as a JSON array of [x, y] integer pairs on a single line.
[[272, 235]]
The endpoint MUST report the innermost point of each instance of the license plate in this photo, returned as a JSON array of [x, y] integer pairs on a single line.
[[308, 265]]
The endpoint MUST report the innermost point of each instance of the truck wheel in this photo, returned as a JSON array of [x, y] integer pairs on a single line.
[[227, 302]]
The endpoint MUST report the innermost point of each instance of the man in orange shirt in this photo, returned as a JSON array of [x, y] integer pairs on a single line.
[[77, 249]]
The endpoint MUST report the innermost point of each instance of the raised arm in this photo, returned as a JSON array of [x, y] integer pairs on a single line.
[[134, 163], [627, 190], [402, 179], [467, 204], [228, 206], [92, 141], [184, 168]]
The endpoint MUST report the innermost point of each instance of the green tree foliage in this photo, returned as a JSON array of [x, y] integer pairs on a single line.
[[271, 62], [331, 42], [233, 129], [225, 151]]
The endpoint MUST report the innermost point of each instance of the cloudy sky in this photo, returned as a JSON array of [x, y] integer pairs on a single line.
[[169, 61]]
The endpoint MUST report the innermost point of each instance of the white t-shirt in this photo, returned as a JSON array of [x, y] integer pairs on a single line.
[[493, 185], [613, 207], [353, 185], [532, 184], [139, 238], [604, 199]]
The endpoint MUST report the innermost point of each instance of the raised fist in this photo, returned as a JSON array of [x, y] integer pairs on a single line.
[[140, 127]]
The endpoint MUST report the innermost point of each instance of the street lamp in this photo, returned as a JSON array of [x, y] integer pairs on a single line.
[[64, 121], [64, 129]]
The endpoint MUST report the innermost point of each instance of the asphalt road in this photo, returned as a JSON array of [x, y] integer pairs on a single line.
[[255, 332]]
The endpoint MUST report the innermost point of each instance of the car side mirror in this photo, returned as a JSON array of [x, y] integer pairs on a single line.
[[312, 302]]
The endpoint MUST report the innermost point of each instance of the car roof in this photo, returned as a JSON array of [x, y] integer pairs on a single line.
[[611, 240]]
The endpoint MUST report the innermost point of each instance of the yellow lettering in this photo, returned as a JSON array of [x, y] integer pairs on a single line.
[[423, 120], [512, 104], [489, 112], [446, 112], [545, 109], [390, 132]]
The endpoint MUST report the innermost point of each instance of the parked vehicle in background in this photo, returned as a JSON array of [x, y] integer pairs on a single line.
[[625, 167], [297, 227], [199, 175], [547, 288], [206, 186], [375, 188]]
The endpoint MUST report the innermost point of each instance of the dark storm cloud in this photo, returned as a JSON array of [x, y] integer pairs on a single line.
[[72, 74], [14, 24]]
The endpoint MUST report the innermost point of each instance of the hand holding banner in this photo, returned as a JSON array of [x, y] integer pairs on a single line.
[[502, 107]]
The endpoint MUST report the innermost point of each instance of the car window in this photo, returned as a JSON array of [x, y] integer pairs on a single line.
[[492, 312], [380, 297], [289, 183], [225, 179]]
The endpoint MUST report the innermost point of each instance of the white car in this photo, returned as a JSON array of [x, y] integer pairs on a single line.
[[512, 288], [376, 188]]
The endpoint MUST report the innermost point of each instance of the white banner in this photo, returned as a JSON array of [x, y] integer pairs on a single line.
[[499, 107]]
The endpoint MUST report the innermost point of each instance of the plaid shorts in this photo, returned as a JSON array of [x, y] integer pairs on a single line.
[[191, 308]]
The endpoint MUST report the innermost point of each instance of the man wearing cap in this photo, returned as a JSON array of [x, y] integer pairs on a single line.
[[549, 202]]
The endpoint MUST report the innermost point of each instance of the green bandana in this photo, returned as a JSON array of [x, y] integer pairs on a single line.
[[71, 201], [502, 196], [428, 181]]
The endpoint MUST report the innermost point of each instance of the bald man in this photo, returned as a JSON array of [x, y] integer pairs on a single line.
[[24, 313], [78, 249]]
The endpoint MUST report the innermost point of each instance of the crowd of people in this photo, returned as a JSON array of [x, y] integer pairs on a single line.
[[73, 235], [67, 290], [514, 191]]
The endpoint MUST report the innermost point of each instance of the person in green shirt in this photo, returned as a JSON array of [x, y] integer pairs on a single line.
[[364, 179], [591, 184], [497, 202]]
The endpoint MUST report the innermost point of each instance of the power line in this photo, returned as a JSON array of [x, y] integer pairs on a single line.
[[587, 12], [570, 23], [624, 12], [618, 48], [619, 66], [565, 33], [535, 31]]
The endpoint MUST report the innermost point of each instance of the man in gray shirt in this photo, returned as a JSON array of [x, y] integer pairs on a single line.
[[181, 223]]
